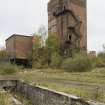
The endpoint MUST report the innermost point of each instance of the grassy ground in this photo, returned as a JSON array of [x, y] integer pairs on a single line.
[[5, 98], [22, 99], [89, 85]]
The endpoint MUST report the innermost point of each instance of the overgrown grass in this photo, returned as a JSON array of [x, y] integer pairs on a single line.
[[56, 60], [101, 59], [61, 80], [22, 99], [79, 63], [4, 99], [86, 83], [7, 68], [93, 94]]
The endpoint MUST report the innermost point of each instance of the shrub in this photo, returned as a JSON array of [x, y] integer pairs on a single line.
[[101, 60], [3, 55], [7, 68], [41, 58], [45, 56], [79, 63], [53, 42], [55, 60], [4, 98]]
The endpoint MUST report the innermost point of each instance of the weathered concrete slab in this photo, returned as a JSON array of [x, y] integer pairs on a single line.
[[7, 83]]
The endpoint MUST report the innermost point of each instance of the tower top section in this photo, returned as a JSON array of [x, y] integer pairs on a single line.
[[77, 2]]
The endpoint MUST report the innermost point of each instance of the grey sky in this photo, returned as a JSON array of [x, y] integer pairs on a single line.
[[25, 16]]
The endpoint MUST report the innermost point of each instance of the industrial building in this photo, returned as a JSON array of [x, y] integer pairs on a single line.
[[19, 47], [68, 19]]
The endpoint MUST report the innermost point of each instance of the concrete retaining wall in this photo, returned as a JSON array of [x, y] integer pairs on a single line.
[[44, 96], [7, 83]]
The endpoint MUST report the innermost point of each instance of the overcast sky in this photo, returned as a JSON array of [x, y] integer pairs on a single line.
[[26, 16]]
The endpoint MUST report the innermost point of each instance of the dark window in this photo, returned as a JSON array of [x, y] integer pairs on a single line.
[[70, 37]]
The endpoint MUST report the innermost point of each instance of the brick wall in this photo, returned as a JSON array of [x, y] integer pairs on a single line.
[[60, 24], [23, 46], [19, 46], [10, 46]]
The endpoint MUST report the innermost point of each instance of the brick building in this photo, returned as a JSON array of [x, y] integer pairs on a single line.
[[19, 47], [68, 19]]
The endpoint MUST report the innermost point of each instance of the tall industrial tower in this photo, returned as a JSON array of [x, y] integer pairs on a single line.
[[68, 19]]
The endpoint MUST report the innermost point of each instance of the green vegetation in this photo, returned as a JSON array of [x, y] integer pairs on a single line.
[[89, 85], [80, 75], [4, 99], [101, 59], [79, 63], [3, 53], [39, 58], [49, 56], [22, 99], [44, 56], [7, 68], [7, 99], [53, 43], [80, 92], [56, 60]]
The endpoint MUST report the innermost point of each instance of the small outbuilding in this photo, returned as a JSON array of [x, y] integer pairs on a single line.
[[92, 54], [19, 47]]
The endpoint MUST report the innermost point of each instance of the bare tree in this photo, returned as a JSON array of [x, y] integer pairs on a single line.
[[43, 33]]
